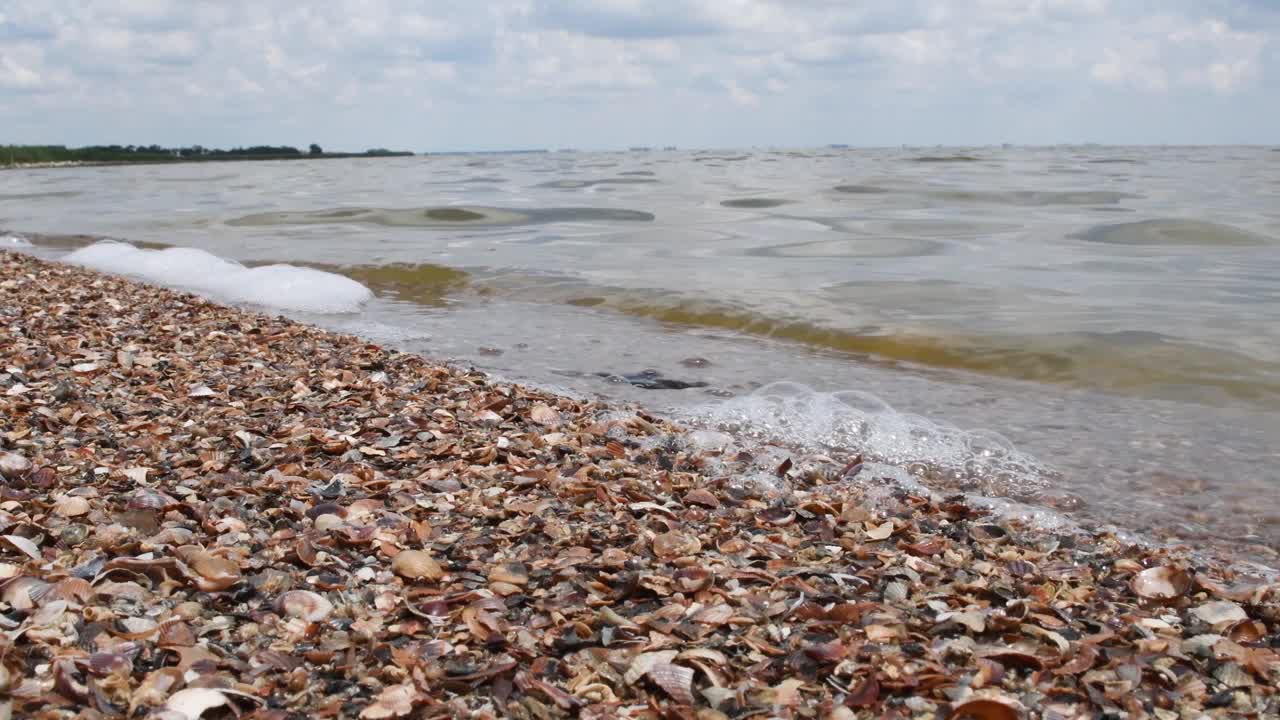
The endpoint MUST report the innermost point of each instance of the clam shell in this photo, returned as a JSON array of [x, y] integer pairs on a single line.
[[304, 605], [1161, 583], [416, 565]]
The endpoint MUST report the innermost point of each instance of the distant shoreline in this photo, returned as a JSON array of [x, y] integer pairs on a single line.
[[194, 160]]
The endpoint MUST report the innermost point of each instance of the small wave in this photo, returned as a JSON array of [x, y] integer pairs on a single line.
[[284, 287], [1169, 231], [14, 241], [442, 217], [754, 203], [899, 451], [578, 184], [945, 159]]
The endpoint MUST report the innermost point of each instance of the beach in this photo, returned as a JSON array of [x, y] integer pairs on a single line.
[[210, 512]]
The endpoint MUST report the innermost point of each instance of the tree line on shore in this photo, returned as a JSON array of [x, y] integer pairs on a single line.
[[34, 154]]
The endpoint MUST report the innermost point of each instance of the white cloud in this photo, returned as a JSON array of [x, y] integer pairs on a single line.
[[582, 72]]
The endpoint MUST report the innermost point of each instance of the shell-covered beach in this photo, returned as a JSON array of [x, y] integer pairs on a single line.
[[209, 512]]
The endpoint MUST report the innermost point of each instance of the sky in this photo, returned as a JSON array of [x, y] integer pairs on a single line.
[[438, 75]]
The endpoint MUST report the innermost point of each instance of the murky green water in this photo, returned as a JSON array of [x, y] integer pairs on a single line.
[[1114, 311]]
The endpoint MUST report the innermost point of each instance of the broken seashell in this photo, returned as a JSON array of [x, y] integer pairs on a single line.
[[703, 497], [676, 680], [673, 544], [693, 579], [1161, 583], [986, 709], [192, 703], [214, 573], [512, 573], [71, 506], [304, 605], [13, 465], [1220, 612], [393, 701]]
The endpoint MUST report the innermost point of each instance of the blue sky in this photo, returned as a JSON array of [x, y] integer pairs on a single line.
[[468, 74]]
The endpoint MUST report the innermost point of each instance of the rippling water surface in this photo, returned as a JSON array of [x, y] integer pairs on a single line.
[[1113, 312]]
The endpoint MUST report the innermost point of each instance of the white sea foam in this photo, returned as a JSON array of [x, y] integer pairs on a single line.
[[284, 287], [787, 420], [14, 241]]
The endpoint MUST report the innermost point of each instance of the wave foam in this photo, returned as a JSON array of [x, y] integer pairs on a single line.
[[788, 420], [14, 241], [284, 287]]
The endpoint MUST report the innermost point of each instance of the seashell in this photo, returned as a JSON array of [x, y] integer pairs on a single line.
[[778, 516], [84, 368], [416, 565], [192, 703], [1220, 612], [703, 497], [1232, 676], [879, 532], [992, 534], [676, 680], [693, 579], [673, 544], [304, 605], [24, 544], [13, 465], [25, 592], [986, 709], [513, 573], [714, 615], [642, 663], [213, 573], [545, 415], [394, 701], [324, 523], [110, 663], [148, 499], [1246, 631], [71, 506], [1161, 583]]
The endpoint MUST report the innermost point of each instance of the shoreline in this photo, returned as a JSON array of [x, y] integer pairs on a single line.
[[196, 161], [208, 506]]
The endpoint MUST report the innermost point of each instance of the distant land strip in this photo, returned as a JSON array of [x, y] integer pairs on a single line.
[[18, 156]]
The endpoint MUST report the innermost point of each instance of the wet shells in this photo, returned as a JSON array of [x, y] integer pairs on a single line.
[[416, 565], [1161, 583], [702, 497], [13, 465], [304, 605], [673, 544], [881, 531], [1220, 612], [992, 534], [986, 709]]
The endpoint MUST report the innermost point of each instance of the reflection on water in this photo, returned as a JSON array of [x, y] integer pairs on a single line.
[[931, 269]]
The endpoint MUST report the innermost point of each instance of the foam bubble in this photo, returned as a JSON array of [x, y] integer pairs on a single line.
[[895, 446], [14, 241], [285, 287]]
